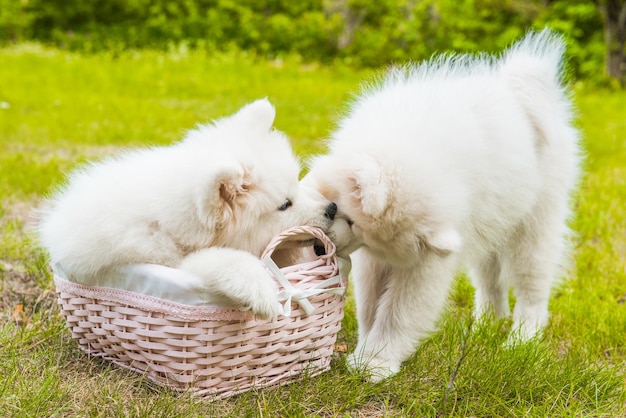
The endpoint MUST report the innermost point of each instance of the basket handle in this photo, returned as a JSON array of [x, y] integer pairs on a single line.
[[302, 296], [290, 292], [297, 234]]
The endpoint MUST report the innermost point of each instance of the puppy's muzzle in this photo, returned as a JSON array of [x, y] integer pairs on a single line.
[[331, 211]]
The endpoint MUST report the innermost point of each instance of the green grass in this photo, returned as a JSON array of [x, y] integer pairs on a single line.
[[58, 109]]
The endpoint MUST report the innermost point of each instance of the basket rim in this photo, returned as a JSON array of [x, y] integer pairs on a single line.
[[212, 312], [152, 303], [156, 304]]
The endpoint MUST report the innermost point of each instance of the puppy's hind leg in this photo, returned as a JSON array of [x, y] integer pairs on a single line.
[[533, 257], [237, 275], [491, 296]]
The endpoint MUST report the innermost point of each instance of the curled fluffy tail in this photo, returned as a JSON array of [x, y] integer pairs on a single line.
[[533, 69], [537, 58]]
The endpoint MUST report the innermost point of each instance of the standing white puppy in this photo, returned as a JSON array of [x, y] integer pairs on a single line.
[[460, 162]]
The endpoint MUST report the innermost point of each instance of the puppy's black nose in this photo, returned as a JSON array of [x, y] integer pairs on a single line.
[[331, 211]]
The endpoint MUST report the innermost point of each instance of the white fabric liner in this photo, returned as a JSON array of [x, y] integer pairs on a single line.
[[154, 280], [164, 282]]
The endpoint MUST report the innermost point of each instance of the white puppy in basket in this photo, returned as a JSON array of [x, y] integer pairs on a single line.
[[207, 205], [461, 162]]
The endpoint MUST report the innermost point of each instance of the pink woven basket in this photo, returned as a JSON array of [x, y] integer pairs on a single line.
[[214, 351]]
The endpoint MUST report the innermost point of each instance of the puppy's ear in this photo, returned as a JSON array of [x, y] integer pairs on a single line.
[[258, 115], [218, 200], [370, 187], [445, 240]]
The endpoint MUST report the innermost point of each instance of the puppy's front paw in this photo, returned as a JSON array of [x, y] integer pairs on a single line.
[[238, 276], [376, 368], [260, 294], [264, 306]]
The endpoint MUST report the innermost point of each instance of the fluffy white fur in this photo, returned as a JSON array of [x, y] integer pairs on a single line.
[[208, 205], [460, 162]]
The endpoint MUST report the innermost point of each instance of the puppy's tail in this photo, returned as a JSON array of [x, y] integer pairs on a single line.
[[533, 69]]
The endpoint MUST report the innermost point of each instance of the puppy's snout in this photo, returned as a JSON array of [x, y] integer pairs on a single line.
[[331, 211]]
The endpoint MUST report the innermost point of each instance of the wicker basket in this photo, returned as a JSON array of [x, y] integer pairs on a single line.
[[214, 351]]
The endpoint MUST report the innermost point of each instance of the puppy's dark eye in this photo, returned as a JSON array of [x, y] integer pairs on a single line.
[[350, 222], [288, 203]]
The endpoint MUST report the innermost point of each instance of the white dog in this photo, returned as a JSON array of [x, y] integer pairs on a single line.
[[207, 205], [459, 162]]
